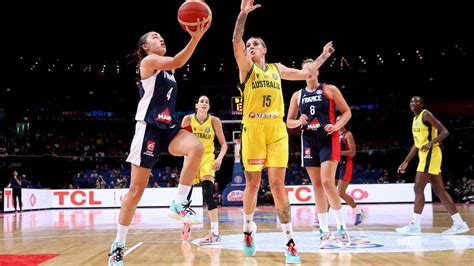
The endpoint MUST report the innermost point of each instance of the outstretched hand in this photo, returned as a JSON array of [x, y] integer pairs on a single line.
[[328, 49], [201, 28], [247, 6]]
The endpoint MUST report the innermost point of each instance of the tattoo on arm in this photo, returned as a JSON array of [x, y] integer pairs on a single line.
[[285, 213], [239, 27]]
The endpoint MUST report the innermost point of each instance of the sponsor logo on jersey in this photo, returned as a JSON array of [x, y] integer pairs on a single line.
[[256, 161], [314, 124], [150, 148], [263, 115], [164, 117]]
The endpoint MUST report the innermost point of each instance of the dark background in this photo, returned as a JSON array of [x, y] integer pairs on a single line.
[[64, 58]]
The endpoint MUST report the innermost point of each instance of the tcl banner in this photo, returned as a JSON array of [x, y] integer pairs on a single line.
[[367, 193], [32, 199], [93, 198]]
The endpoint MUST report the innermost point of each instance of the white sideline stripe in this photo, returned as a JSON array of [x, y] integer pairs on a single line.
[[132, 249]]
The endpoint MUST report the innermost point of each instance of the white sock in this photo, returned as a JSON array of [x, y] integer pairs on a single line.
[[357, 210], [248, 218], [457, 218], [215, 228], [288, 231], [182, 194], [122, 231], [323, 221], [339, 219], [416, 219]]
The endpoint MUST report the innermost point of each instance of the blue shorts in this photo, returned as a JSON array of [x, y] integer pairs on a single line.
[[345, 170], [148, 142], [317, 147]]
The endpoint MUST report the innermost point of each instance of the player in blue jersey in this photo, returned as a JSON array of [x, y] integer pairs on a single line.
[[316, 104], [158, 130]]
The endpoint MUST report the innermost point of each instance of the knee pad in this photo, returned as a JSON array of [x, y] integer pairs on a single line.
[[208, 194]]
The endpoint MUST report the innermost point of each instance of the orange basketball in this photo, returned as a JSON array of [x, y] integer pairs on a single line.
[[190, 11]]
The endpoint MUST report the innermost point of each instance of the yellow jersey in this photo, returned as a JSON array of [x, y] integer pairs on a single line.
[[204, 131], [422, 132], [262, 95]]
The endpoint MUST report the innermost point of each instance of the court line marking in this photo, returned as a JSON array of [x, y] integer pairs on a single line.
[[132, 248]]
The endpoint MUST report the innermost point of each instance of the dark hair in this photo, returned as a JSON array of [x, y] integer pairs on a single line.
[[141, 53], [422, 101], [197, 100]]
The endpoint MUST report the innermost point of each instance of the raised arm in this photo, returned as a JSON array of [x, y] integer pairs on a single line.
[[303, 74], [240, 52], [157, 62], [216, 122], [328, 50]]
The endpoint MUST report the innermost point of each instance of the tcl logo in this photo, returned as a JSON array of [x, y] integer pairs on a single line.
[[302, 194], [359, 194], [76, 198]]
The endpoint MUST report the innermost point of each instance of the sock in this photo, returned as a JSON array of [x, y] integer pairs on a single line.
[[288, 231], [323, 221], [416, 219], [248, 218], [357, 210], [457, 218], [122, 231], [339, 219], [182, 194], [215, 228]]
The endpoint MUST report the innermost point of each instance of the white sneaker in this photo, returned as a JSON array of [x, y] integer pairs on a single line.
[[457, 229], [325, 238], [410, 229]]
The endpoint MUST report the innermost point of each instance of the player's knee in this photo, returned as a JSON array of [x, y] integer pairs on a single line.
[[418, 189], [197, 148], [208, 194]]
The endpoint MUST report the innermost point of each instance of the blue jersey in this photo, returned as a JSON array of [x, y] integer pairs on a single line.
[[318, 107], [158, 95]]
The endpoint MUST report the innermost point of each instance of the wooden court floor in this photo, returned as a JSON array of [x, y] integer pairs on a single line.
[[83, 237]]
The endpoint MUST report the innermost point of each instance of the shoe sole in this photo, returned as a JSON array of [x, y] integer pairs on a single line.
[[457, 233], [178, 217], [409, 234]]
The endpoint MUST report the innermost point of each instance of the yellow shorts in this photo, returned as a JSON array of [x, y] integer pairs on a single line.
[[264, 145], [205, 168], [430, 161]]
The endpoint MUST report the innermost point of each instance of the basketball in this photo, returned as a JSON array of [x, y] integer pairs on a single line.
[[190, 11]]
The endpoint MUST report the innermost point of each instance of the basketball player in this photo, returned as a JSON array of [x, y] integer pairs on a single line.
[[345, 170], [206, 127], [317, 104], [264, 136], [428, 132], [158, 130]]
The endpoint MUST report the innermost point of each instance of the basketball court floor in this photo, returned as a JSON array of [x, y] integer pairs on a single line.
[[83, 237]]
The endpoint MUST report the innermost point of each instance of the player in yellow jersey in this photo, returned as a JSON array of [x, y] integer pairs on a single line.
[[206, 127], [428, 132], [264, 135]]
